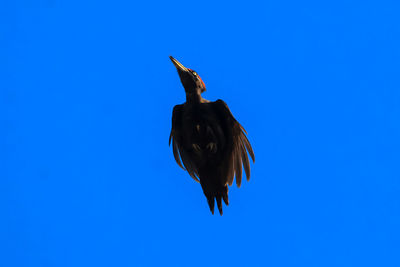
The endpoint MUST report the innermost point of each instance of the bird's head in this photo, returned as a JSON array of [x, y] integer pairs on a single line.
[[191, 81]]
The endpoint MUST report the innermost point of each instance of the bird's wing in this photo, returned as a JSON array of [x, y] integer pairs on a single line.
[[180, 154], [237, 145]]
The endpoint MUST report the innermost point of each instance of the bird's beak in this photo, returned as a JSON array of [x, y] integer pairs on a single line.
[[178, 65]]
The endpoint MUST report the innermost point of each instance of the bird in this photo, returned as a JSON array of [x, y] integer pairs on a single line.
[[207, 141]]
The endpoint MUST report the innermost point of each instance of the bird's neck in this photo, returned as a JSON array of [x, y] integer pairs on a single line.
[[194, 98]]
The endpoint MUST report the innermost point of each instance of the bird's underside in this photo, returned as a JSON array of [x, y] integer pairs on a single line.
[[212, 146], [207, 141]]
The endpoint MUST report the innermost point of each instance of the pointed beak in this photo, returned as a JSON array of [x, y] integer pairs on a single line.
[[178, 65]]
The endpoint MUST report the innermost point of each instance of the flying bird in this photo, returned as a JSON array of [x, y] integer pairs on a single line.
[[207, 141]]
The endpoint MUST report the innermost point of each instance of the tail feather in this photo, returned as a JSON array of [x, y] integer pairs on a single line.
[[219, 203], [212, 193], [211, 204], [225, 195]]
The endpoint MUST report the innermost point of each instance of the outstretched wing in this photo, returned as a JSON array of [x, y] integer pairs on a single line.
[[237, 146], [180, 153]]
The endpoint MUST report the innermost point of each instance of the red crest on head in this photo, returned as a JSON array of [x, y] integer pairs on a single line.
[[201, 80], [204, 86]]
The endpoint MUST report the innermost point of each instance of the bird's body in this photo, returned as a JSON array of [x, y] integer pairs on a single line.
[[208, 140]]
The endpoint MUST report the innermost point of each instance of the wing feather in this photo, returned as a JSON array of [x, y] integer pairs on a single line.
[[190, 167], [238, 165], [245, 161], [237, 146], [244, 139], [180, 154], [175, 150], [231, 170]]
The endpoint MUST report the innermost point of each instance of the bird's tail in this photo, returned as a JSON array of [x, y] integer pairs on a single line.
[[215, 192]]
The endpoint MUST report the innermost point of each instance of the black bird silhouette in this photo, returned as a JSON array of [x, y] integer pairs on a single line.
[[208, 140]]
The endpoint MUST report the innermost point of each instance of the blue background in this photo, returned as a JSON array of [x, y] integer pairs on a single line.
[[87, 91]]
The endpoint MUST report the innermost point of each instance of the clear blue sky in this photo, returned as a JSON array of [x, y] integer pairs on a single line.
[[86, 98]]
